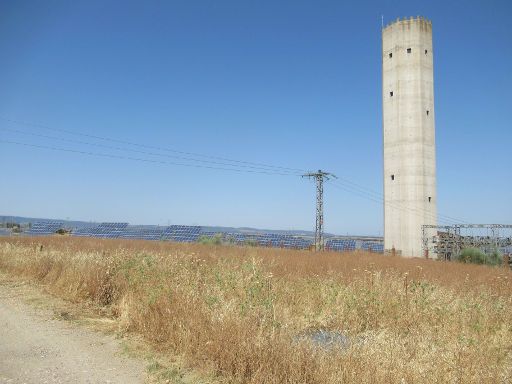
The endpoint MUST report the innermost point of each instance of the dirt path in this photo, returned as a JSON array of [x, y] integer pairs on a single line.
[[35, 347]]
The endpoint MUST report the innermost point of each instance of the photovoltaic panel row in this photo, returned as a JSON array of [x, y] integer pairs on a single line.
[[210, 234], [44, 228], [372, 246], [143, 233], [285, 241], [83, 231], [263, 239], [340, 245], [103, 230], [506, 250], [113, 226], [182, 233]]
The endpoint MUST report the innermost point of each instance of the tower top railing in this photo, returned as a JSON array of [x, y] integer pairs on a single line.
[[408, 20]]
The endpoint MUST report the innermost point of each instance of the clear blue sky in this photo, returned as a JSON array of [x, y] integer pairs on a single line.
[[290, 83]]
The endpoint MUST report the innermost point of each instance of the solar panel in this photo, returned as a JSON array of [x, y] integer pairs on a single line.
[[142, 232], [373, 246], [5, 232], [103, 230], [263, 239], [210, 234], [182, 233], [341, 244], [178, 233], [42, 228], [506, 250]]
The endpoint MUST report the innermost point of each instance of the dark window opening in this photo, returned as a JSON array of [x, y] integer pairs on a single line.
[[426, 51], [391, 93], [429, 199], [409, 50], [428, 112], [390, 55], [392, 177]]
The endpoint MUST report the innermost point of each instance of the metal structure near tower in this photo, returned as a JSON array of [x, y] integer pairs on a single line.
[[445, 242]]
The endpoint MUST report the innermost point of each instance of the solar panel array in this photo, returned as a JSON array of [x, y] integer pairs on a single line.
[[143, 233], [189, 234], [83, 230], [340, 245], [182, 233], [506, 250], [44, 228], [372, 246], [103, 230], [262, 239]]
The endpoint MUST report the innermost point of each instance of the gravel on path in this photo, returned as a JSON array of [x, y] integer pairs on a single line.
[[35, 347]]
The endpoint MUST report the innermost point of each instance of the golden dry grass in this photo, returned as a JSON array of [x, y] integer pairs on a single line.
[[246, 313]]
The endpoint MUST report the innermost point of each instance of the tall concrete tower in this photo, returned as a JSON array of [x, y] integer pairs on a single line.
[[409, 134]]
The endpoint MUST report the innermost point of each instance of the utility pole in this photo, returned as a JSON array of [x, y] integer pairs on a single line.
[[319, 230]]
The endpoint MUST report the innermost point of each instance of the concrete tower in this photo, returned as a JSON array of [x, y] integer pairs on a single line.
[[410, 199]]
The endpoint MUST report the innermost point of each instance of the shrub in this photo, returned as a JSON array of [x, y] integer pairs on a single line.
[[215, 240], [495, 258], [251, 243], [476, 256]]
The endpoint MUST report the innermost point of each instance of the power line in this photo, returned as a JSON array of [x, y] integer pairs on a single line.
[[149, 146], [348, 188], [441, 218], [380, 196], [141, 159], [249, 167], [350, 184], [358, 189], [400, 206], [139, 151]]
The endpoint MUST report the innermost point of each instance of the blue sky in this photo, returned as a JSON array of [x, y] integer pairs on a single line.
[[289, 83]]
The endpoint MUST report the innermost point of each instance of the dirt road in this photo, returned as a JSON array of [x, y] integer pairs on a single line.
[[35, 347]]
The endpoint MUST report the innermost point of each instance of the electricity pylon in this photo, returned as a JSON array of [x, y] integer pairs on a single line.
[[319, 230]]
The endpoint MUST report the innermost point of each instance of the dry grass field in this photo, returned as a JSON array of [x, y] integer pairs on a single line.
[[253, 315]]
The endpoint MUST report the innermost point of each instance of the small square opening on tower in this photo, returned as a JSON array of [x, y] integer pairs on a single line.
[[392, 177], [391, 94], [409, 50], [390, 55], [429, 199], [426, 51], [428, 112]]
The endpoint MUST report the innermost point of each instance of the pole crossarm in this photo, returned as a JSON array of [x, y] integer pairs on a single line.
[[319, 176]]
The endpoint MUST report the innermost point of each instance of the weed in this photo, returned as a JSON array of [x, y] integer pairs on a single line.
[[245, 312]]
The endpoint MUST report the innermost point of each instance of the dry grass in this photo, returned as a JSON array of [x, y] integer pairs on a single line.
[[246, 313]]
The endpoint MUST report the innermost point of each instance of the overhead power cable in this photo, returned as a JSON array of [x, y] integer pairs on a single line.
[[225, 164], [143, 152], [269, 172], [359, 190], [379, 196], [151, 146], [401, 206], [416, 211]]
